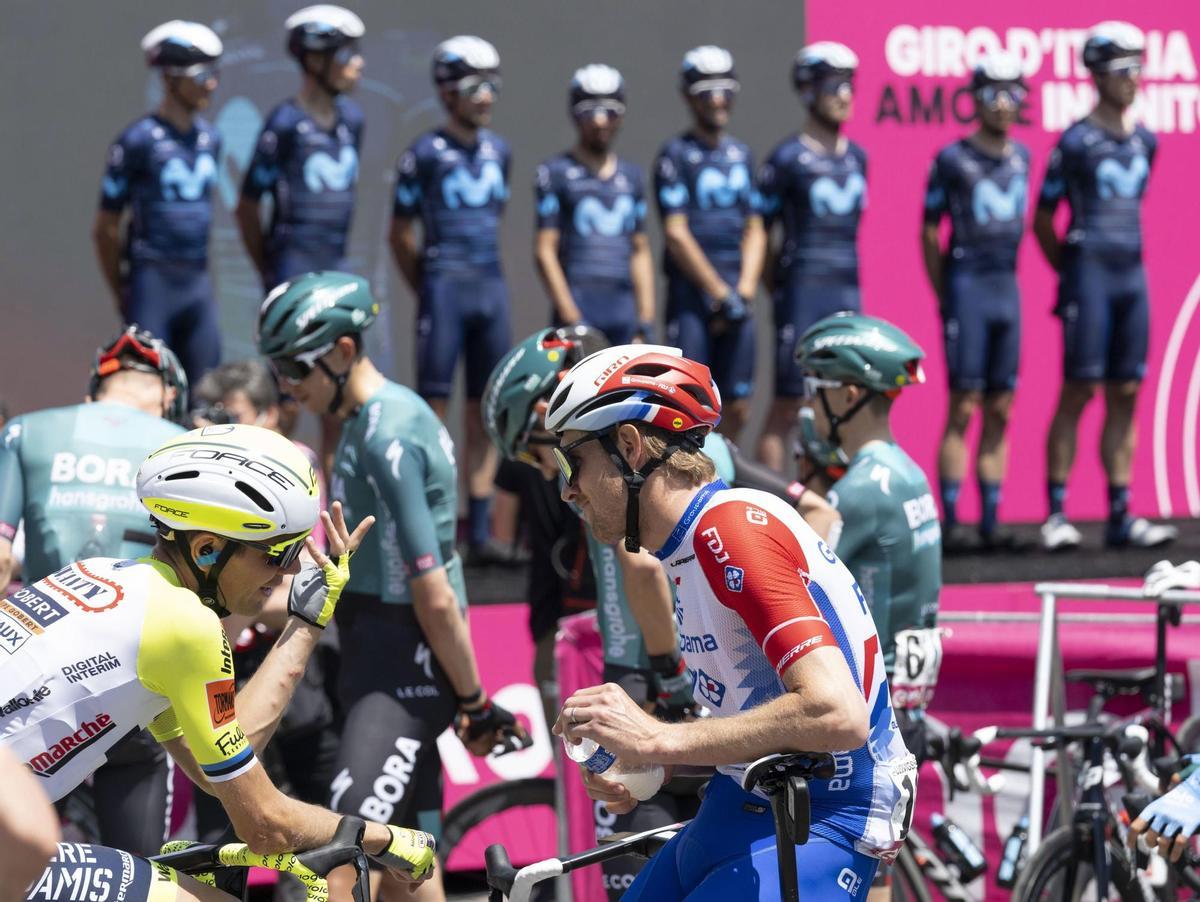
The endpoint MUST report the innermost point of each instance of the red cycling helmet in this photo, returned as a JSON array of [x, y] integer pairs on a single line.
[[652, 384]]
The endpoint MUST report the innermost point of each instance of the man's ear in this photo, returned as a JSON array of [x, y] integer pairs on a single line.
[[204, 548], [631, 445]]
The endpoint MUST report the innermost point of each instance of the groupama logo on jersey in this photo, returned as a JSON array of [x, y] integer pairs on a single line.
[[85, 589], [931, 65]]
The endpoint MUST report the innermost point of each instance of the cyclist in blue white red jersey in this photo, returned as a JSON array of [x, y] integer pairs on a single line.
[[454, 179], [715, 242], [163, 168], [981, 183], [590, 247], [815, 184], [307, 154], [790, 659], [1100, 168]]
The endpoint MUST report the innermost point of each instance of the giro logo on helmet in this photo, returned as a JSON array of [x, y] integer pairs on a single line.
[[610, 369]]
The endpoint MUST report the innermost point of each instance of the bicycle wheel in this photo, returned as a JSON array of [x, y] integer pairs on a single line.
[[908, 883], [1043, 879], [523, 798]]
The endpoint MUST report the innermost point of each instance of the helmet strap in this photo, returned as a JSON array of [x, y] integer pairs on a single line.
[[206, 583], [835, 420], [634, 480], [339, 386]]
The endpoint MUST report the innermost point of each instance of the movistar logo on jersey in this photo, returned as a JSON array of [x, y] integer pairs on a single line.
[[673, 195], [592, 217], [460, 188], [1114, 179], [715, 188], [321, 171], [991, 203], [828, 198], [179, 181]]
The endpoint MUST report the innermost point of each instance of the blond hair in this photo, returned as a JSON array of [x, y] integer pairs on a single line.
[[692, 467]]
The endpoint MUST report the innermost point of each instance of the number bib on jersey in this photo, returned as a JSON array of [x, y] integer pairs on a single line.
[[918, 660]]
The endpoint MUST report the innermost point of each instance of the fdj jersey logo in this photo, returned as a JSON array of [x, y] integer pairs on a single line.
[[715, 188], [182, 182], [712, 690], [1116, 180], [460, 188], [991, 203], [828, 198], [592, 217], [322, 171], [734, 577]]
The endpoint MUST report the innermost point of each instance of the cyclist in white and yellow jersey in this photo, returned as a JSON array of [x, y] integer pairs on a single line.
[[103, 646]]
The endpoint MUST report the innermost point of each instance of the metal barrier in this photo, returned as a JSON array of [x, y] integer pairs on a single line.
[[1048, 675]]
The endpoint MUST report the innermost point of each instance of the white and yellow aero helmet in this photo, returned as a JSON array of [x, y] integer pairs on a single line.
[[244, 483]]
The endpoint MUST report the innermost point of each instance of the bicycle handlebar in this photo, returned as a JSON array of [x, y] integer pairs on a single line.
[[344, 848]]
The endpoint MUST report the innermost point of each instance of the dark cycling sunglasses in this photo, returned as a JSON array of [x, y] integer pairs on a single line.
[[472, 86], [280, 557], [568, 464], [587, 109], [990, 94], [296, 369], [835, 85]]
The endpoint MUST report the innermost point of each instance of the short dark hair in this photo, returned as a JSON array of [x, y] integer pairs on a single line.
[[249, 376]]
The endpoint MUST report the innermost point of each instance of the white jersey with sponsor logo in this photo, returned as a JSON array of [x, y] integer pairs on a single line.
[[757, 590], [102, 647]]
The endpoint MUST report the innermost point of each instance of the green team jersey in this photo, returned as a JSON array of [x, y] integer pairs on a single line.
[[623, 644], [396, 460], [891, 540], [69, 473]]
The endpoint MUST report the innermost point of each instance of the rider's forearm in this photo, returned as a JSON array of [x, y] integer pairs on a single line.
[[790, 723], [28, 828], [262, 701], [445, 629], [754, 253], [641, 272]]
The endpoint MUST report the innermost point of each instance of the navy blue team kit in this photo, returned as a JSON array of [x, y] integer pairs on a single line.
[[459, 193]]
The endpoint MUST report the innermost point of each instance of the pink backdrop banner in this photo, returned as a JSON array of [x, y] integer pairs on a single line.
[[915, 60]]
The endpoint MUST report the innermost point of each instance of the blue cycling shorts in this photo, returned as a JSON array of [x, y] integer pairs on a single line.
[[798, 304], [729, 353], [728, 852], [609, 307], [982, 329], [1105, 312], [466, 316], [174, 300]]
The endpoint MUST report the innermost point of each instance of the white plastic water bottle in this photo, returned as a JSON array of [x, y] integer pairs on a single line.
[[642, 780]]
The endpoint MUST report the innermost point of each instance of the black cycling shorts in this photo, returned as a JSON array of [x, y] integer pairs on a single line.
[[397, 701]]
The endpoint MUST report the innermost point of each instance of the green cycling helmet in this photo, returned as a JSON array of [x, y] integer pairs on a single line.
[[527, 374], [861, 350], [302, 318]]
